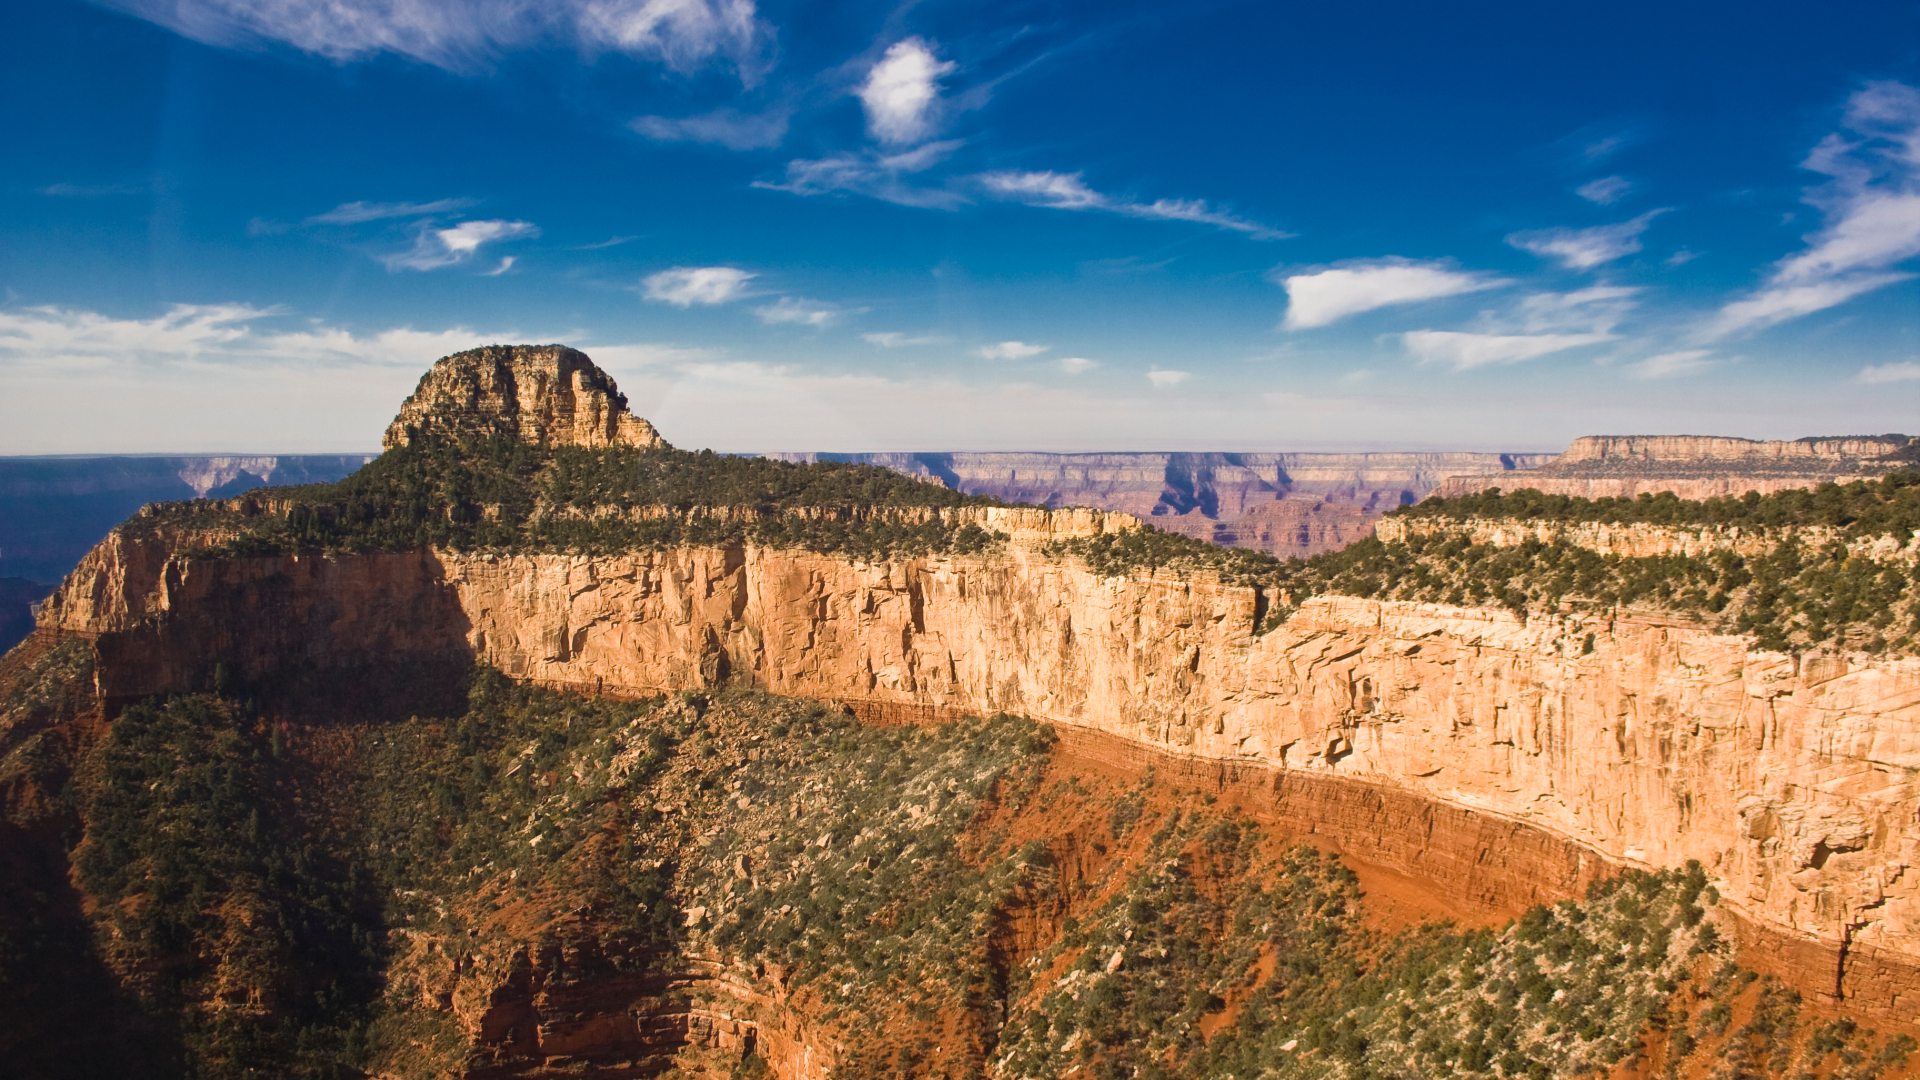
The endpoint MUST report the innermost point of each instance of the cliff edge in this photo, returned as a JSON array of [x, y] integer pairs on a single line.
[[1695, 466]]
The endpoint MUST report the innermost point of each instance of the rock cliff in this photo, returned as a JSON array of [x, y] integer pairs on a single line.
[[548, 395], [1795, 781], [1694, 466]]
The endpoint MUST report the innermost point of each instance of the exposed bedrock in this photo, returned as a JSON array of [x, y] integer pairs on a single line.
[[1797, 783], [1694, 466], [1285, 504]]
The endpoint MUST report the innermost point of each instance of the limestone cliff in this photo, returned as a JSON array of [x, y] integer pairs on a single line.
[[549, 395], [1796, 781], [1694, 466]]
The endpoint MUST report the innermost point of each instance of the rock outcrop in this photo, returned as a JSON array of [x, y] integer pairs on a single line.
[[1694, 466], [1796, 781], [1283, 504], [548, 395]]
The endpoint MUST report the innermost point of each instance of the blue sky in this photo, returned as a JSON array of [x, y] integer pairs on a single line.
[[248, 225]]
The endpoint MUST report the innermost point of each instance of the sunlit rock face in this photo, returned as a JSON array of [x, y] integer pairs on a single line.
[[1696, 466], [548, 395]]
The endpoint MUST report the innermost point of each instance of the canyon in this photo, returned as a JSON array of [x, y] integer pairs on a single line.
[[1468, 762], [1285, 504], [1639, 742]]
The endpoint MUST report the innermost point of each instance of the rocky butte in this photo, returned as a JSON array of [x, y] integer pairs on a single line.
[[1472, 751]]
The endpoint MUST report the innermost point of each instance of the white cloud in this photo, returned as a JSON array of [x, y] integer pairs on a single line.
[[434, 248], [685, 286], [506, 264], [1327, 296], [730, 128], [1584, 249], [204, 378], [1464, 351], [794, 310], [878, 176], [1595, 309], [1066, 191], [1670, 364], [354, 213], [1011, 350], [468, 35], [1682, 257], [902, 92], [893, 339], [1162, 378], [1872, 209], [1605, 191], [1880, 374], [1075, 365]]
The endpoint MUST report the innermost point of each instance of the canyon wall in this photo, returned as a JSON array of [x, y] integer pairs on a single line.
[[1795, 781], [1693, 466], [1283, 504]]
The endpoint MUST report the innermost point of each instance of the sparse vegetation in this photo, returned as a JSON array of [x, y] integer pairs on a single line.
[[497, 493]]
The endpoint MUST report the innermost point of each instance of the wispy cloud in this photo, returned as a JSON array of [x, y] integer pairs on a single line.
[[614, 241], [1067, 191], [90, 191], [1605, 191], [902, 92], [726, 127], [1011, 350], [893, 339], [468, 36], [506, 264], [1326, 296], [1595, 309], [1881, 374], [434, 248], [355, 213], [1669, 365], [1075, 365], [875, 175], [1584, 249], [1464, 351], [685, 286], [1164, 378], [1872, 209], [793, 310]]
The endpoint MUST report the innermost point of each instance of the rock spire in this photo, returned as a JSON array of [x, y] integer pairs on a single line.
[[549, 395]]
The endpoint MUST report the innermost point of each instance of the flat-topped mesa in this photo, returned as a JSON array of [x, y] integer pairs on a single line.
[[1698, 466], [1839, 452], [548, 395]]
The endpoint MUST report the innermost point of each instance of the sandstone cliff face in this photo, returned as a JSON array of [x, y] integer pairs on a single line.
[[1635, 540], [1692, 466], [1797, 783], [548, 395], [1283, 504]]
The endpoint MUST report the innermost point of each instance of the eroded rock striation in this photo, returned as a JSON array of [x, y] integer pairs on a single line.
[[1694, 466], [548, 395], [1283, 504], [1634, 740]]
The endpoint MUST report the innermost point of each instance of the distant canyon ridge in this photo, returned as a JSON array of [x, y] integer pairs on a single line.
[[1305, 504]]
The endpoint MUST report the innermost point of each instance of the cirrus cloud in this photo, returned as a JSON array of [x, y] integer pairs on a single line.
[[1584, 249], [1067, 191], [434, 248], [1464, 351], [1327, 296], [468, 36], [1872, 208]]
